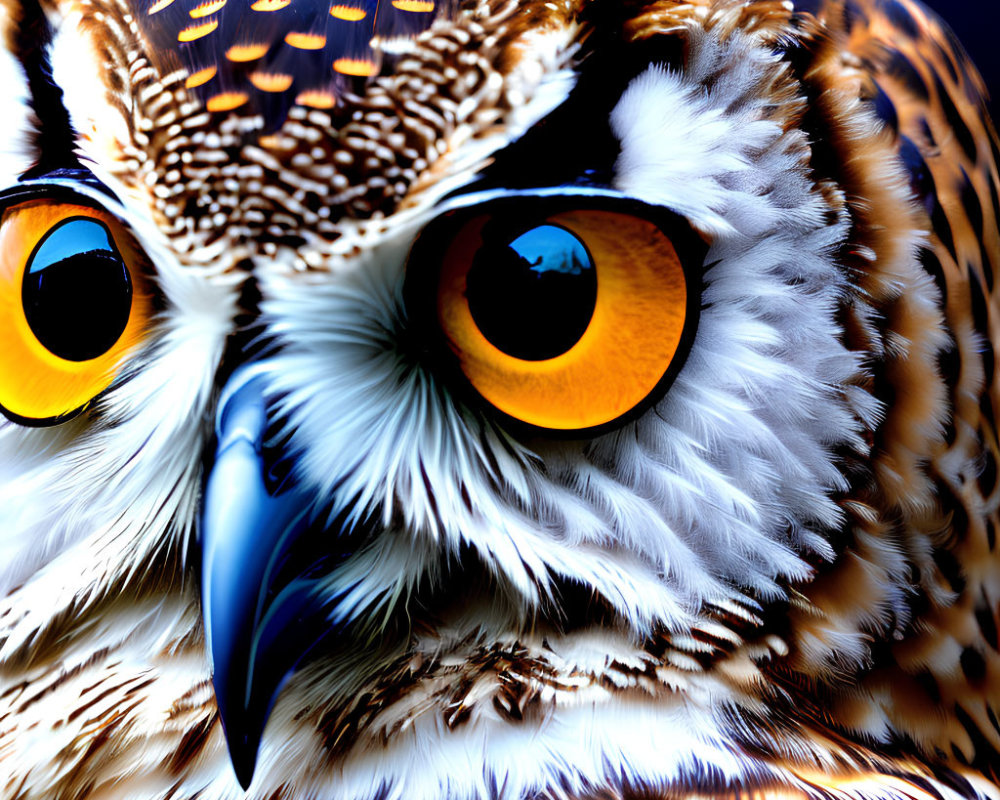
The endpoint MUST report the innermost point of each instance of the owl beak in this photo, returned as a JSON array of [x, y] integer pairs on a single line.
[[261, 615]]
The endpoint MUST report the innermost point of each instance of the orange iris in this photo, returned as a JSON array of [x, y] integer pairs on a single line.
[[37, 386], [638, 329]]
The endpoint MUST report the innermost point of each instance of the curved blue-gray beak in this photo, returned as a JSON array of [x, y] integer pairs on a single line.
[[260, 605]]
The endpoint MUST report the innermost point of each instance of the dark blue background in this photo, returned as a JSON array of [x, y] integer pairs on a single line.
[[975, 23]]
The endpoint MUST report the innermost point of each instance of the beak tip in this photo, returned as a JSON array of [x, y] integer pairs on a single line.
[[244, 767], [243, 745]]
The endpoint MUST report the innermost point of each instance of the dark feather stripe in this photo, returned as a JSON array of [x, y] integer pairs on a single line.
[[54, 137]]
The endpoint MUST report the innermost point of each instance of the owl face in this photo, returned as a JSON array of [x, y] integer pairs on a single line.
[[415, 331]]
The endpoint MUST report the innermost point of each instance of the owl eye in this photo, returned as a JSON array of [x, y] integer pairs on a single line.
[[532, 293], [77, 291], [71, 306], [566, 314]]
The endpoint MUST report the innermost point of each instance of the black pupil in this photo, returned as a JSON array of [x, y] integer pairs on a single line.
[[532, 294], [77, 292]]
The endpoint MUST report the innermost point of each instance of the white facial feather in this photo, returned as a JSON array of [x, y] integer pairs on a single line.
[[16, 153], [145, 441], [720, 489], [158, 405]]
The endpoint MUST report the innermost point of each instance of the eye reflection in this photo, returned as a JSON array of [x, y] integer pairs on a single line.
[[532, 293], [77, 292]]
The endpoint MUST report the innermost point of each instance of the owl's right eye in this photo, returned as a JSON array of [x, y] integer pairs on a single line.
[[565, 313], [72, 304]]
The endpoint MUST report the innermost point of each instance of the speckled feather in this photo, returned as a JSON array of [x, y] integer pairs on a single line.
[[938, 493], [278, 54]]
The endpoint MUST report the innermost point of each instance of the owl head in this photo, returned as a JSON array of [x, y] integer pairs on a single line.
[[597, 336]]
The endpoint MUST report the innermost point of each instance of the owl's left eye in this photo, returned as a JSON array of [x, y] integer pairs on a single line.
[[565, 313], [72, 304]]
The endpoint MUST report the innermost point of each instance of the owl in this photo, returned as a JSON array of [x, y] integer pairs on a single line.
[[493, 400]]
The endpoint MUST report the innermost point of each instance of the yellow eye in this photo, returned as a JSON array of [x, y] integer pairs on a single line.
[[72, 304], [567, 315]]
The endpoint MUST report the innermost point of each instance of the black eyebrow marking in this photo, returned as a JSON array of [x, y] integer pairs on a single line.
[[574, 145], [54, 139]]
